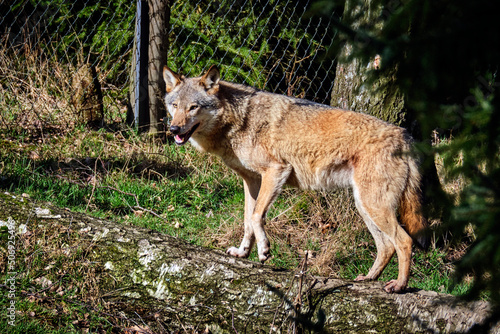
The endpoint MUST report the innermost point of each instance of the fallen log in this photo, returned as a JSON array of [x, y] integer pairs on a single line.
[[169, 285]]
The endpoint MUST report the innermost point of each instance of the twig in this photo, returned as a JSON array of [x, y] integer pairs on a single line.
[[232, 320], [148, 330], [94, 184], [111, 293], [180, 322], [298, 300]]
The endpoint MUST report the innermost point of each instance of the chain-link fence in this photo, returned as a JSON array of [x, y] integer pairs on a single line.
[[271, 44], [64, 61]]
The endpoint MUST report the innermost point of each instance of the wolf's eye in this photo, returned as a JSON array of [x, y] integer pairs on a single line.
[[193, 107], [174, 105]]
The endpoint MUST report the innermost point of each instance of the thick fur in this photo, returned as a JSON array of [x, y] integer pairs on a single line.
[[271, 140]]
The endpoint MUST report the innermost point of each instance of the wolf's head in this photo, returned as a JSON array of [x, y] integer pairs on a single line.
[[192, 102]]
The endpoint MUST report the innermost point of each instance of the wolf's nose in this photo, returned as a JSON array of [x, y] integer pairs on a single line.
[[175, 129]]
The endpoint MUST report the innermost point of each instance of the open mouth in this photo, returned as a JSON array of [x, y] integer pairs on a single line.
[[181, 139]]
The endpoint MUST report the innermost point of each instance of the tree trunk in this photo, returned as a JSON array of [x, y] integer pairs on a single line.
[[159, 15], [170, 286], [351, 90]]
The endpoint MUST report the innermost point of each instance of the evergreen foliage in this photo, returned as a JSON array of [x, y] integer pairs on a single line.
[[265, 44]]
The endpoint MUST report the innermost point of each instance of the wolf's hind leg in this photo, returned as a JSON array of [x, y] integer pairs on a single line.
[[386, 231], [379, 215], [385, 248], [385, 251]]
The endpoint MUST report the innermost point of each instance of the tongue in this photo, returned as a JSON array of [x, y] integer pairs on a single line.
[[178, 139]]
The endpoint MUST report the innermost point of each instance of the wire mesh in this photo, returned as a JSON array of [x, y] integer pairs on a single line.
[[64, 60], [272, 45]]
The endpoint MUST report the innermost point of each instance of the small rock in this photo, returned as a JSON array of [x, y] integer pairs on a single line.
[[45, 214]]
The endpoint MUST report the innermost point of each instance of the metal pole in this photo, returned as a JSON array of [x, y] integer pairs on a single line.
[[137, 62], [141, 106]]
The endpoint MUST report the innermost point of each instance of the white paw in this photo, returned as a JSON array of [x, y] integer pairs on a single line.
[[264, 251], [361, 278], [233, 251], [263, 257]]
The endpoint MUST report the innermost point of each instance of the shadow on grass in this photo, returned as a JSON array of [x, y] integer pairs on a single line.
[[76, 180]]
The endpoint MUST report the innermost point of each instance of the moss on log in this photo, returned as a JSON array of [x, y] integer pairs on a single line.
[[173, 286]]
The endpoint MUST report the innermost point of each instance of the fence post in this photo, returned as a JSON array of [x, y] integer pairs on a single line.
[[159, 16], [150, 54], [139, 100]]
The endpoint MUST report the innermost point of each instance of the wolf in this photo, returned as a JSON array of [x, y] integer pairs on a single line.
[[272, 140]]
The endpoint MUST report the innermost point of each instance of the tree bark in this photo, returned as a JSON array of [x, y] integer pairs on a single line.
[[170, 285], [351, 90], [159, 11], [157, 48]]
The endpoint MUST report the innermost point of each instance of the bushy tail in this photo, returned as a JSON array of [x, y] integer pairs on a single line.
[[410, 208]]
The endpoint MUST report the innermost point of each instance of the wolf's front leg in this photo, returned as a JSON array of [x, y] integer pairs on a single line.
[[251, 187], [272, 181]]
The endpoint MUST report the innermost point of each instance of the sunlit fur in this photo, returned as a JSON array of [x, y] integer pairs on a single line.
[[271, 140]]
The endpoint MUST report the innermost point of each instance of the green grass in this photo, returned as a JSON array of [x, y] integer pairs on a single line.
[[29, 326], [63, 304]]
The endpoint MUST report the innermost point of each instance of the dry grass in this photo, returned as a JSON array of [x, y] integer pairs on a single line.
[[37, 90], [325, 225], [341, 231], [453, 186]]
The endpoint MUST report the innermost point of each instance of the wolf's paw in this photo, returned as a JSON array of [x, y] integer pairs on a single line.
[[394, 286], [264, 257], [264, 251], [361, 278], [233, 251]]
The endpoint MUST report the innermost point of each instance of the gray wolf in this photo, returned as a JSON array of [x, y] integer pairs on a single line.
[[272, 140]]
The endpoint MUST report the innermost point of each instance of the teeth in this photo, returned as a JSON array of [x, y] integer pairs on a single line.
[[178, 139]]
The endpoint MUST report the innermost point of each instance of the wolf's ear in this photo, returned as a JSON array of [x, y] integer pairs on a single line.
[[210, 80], [171, 78]]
